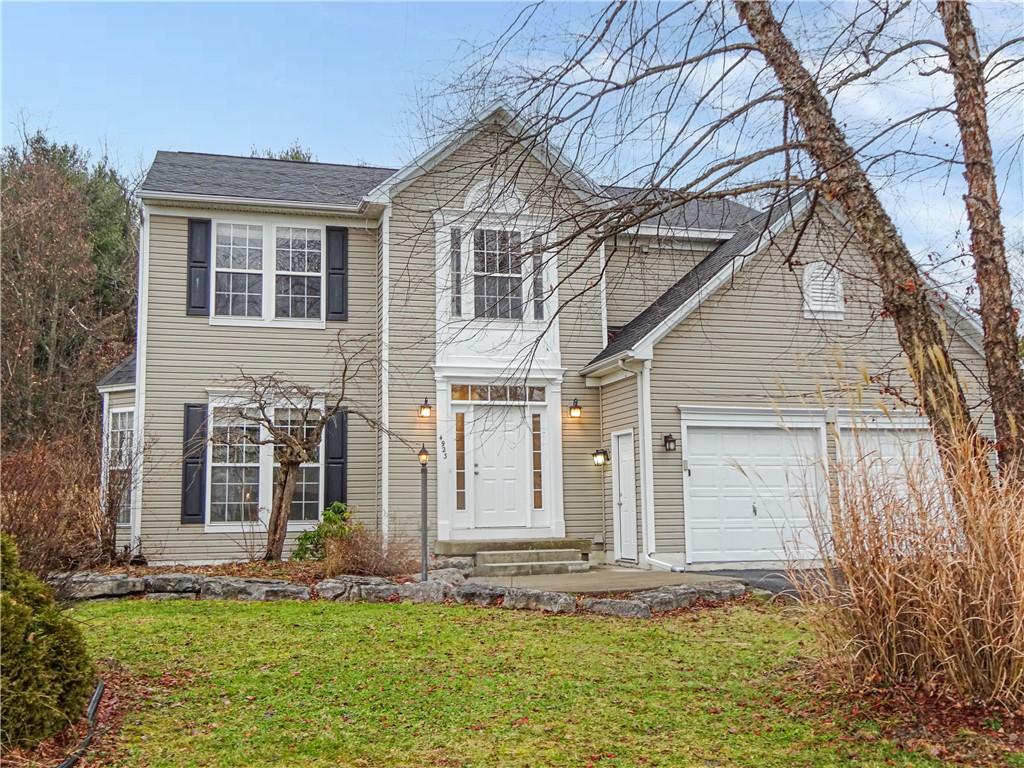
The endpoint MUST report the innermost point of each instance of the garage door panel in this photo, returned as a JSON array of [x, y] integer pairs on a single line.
[[737, 471]]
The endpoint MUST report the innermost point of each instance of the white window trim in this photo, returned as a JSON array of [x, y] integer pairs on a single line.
[[266, 483], [270, 226], [468, 223], [822, 312], [105, 459]]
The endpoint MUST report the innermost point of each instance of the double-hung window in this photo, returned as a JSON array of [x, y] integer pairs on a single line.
[[244, 466], [504, 274], [306, 504], [497, 274], [120, 460], [234, 468], [238, 270], [298, 282]]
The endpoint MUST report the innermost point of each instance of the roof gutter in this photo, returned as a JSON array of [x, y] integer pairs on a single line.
[[179, 197]]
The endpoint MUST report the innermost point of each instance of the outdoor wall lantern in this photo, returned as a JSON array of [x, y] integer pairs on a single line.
[[575, 410], [425, 409], [670, 442], [601, 457]]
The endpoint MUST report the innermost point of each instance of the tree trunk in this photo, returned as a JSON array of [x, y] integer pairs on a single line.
[[284, 489], [988, 241], [904, 291]]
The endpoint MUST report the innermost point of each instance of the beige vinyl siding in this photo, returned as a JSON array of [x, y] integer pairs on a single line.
[[186, 355], [749, 345], [413, 326], [634, 279], [619, 413], [122, 399]]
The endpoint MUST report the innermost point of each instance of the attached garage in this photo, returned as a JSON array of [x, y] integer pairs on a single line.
[[753, 480], [886, 446]]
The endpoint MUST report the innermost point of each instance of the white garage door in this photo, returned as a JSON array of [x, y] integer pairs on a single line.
[[749, 492], [888, 451]]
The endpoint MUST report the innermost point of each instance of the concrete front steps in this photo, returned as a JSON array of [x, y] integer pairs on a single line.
[[524, 557], [529, 562]]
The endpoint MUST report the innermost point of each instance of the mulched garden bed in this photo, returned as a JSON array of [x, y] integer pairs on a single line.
[[123, 694]]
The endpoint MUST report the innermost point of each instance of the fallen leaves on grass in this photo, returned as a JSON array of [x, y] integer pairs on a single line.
[[933, 723]]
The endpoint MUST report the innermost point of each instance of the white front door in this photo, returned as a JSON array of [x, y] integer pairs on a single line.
[[624, 496], [751, 492], [500, 442]]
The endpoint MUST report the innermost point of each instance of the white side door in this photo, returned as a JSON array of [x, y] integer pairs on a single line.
[[624, 496], [500, 442]]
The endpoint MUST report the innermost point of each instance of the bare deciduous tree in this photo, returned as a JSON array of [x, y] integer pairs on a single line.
[[292, 417], [703, 101]]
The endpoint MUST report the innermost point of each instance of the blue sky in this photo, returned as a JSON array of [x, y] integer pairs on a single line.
[[342, 79]]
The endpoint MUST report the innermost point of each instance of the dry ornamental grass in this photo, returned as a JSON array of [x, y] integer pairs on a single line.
[[924, 579]]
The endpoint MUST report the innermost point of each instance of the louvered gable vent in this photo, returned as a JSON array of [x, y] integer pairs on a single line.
[[823, 291]]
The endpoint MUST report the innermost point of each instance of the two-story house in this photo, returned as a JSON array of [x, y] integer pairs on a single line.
[[668, 397]]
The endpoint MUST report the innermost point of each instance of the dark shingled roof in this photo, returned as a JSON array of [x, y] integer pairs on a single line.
[[122, 373], [195, 173], [690, 283], [726, 215]]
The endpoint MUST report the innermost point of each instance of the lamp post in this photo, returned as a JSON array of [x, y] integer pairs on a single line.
[[424, 457]]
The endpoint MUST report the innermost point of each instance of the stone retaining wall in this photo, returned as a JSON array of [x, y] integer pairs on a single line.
[[442, 585]]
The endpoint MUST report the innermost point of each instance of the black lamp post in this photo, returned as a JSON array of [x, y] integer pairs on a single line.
[[424, 457]]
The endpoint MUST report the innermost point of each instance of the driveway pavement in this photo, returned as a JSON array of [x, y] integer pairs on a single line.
[[774, 581]]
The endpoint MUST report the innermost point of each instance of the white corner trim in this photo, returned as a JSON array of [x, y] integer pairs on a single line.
[[140, 377], [385, 355], [604, 293]]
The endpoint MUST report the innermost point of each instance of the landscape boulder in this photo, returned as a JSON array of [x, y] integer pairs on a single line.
[[172, 582], [461, 564], [339, 588], [230, 588], [538, 600], [429, 591], [89, 586], [624, 609], [668, 598], [447, 575], [477, 594]]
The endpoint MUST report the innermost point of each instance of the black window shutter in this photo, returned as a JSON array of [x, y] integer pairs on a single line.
[[336, 459], [337, 273], [198, 302], [193, 465]]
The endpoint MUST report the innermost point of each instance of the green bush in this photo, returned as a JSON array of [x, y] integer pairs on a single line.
[[311, 545], [45, 672]]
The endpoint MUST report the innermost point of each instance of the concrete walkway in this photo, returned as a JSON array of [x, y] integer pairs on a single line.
[[604, 578]]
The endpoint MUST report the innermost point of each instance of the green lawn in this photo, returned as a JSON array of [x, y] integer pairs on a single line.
[[325, 684]]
